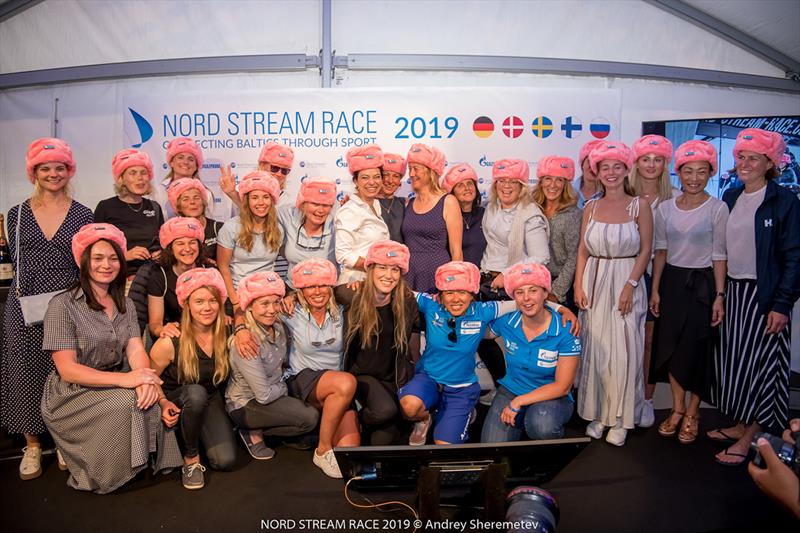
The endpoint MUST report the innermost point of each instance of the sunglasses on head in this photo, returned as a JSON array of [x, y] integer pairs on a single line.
[[451, 323], [276, 169]]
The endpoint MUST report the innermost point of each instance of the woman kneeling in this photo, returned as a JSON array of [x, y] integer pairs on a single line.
[[100, 402], [194, 367], [541, 359]]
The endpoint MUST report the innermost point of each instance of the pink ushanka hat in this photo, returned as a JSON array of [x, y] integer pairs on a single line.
[[260, 284], [261, 181], [125, 159], [586, 149], [523, 274], [276, 154], [388, 253], [458, 276], [185, 144], [769, 143], [182, 185], [515, 169], [91, 233], [46, 150], [431, 157], [553, 165], [611, 151], [318, 191], [696, 151], [179, 227], [193, 279], [313, 272], [653, 144], [394, 163], [457, 174], [364, 157]]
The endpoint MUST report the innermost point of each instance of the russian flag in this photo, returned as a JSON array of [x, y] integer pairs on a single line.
[[600, 128]]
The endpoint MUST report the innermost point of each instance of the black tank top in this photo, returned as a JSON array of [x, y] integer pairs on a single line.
[[205, 369]]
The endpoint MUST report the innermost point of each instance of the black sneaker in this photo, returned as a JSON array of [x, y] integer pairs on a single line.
[[192, 476], [257, 450], [303, 442]]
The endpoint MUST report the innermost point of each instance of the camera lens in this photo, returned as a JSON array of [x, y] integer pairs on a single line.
[[531, 510]]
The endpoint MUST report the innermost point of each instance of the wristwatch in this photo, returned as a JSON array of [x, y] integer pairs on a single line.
[[721, 295], [633, 283]]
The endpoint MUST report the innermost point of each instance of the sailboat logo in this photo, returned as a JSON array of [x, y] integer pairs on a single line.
[[145, 129]]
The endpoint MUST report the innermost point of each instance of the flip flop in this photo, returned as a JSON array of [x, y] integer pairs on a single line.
[[743, 457], [725, 437]]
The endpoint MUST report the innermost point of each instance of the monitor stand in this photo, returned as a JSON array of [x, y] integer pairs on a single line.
[[488, 491]]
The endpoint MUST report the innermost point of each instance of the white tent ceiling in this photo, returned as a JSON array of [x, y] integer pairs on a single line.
[[68, 33]]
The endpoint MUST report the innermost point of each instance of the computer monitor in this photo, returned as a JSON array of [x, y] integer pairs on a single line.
[[398, 467]]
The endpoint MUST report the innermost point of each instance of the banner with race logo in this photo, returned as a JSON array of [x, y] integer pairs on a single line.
[[471, 125]]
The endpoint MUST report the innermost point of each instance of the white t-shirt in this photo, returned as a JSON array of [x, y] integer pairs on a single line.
[[741, 235], [244, 263], [693, 238]]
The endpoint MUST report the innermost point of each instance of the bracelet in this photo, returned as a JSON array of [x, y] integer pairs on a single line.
[[721, 295], [511, 407]]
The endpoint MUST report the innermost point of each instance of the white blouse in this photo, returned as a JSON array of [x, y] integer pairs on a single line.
[[693, 238], [741, 235], [357, 227]]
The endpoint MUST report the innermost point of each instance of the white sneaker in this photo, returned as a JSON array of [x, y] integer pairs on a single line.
[[62, 464], [327, 462], [420, 433], [616, 436], [595, 430], [647, 417], [31, 465]]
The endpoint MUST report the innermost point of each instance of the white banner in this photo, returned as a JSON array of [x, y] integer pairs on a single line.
[[477, 126]]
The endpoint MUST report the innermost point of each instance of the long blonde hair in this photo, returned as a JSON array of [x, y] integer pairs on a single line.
[[332, 306], [272, 232], [363, 316], [566, 200], [188, 366], [664, 182]]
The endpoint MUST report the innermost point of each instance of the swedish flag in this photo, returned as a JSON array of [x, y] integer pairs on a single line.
[[542, 127]]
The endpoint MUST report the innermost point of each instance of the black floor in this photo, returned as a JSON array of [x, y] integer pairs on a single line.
[[652, 484]]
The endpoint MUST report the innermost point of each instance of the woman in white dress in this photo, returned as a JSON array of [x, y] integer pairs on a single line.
[[614, 250]]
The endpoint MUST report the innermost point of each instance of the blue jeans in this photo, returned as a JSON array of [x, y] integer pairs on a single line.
[[542, 420]]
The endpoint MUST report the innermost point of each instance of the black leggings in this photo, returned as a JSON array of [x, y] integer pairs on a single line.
[[285, 417], [203, 419], [380, 410]]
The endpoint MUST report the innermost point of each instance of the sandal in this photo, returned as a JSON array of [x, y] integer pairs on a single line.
[[725, 437], [668, 428], [688, 433], [742, 458]]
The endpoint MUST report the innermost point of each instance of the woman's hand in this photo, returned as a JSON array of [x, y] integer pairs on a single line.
[[497, 282], [228, 320], [137, 253], [717, 311], [245, 344], [142, 376], [580, 299], [508, 417], [776, 322], [146, 396], [288, 303], [655, 305], [169, 413], [227, 181], [626, 300], [568, 316], [171, 330], [354, 285]]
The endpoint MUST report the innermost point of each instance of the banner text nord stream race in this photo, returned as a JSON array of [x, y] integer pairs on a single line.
[[475, 126]]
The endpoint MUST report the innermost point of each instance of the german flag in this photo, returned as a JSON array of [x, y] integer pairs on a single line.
[[483, 127]]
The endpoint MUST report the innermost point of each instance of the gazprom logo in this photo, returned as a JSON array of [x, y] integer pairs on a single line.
[[144, 127], [341, 163], [484, 162]]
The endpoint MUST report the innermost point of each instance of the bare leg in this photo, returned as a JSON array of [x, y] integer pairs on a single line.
[[32, 441], [413, 408], [348, 434], [741, 446], [334, 392]]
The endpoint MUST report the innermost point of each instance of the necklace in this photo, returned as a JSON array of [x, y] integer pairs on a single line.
[[467, 219], [141, 206]]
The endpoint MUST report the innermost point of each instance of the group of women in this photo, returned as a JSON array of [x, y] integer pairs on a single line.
[[300, 322]]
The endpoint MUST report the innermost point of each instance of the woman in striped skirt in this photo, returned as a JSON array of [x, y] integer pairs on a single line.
[[763, 238]]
